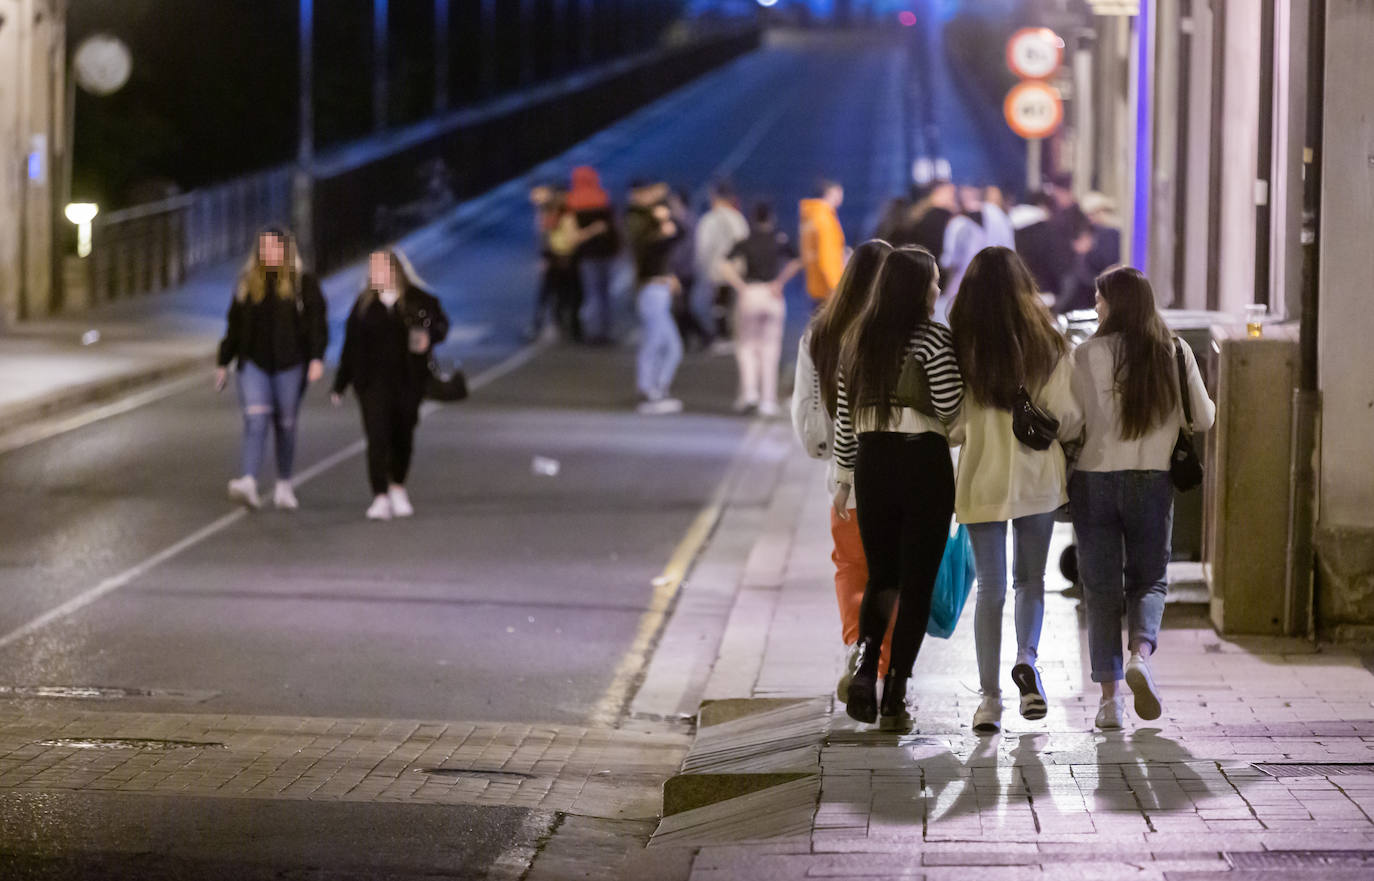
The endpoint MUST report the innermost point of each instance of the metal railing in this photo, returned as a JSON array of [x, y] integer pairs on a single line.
[[153, 246]]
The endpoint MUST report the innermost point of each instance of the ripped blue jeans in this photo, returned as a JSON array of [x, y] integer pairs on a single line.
[[269, 400]]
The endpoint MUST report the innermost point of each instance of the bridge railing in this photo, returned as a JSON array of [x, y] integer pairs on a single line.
[[149, 247]]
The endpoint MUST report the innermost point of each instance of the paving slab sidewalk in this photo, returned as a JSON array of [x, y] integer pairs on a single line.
[[1262, 766]]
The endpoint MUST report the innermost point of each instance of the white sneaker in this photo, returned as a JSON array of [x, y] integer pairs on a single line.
[[244, 490], [851, 663], [987, 719], [400, 502], [380, 509], [744, 405], [1148, 706], [1110, 713], [284, 496], [660, 407], [723, 347], [769, 409]]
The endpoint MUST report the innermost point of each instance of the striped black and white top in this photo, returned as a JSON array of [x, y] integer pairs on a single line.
[[932, 345]]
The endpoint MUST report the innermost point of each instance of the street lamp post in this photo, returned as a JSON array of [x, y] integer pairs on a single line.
[[379, 64], [303, 180]]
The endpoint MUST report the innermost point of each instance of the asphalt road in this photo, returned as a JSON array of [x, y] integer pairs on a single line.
[[510, 596]]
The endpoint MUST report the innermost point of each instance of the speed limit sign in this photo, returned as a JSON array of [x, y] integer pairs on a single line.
[[1034, 110], [1035, 53]]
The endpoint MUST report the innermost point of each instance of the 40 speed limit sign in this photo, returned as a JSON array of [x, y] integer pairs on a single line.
[[1034, 110]]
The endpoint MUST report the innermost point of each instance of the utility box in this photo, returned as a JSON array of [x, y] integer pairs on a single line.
[[1246, 494]]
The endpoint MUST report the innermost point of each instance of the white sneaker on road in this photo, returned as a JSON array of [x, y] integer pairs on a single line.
[[284, 496], [1148, 706], [987, 719], [400, 502], [769, 409], [1111, 713], [380, 509], [244, 491], [660, 407]]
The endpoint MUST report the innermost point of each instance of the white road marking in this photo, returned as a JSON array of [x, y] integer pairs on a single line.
[[40, 431], [115, 582]]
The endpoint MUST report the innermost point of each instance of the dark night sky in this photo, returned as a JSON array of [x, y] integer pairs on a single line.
[[213, 91]]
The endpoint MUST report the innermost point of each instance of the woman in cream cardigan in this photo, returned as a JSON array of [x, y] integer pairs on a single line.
[[1005, 339]]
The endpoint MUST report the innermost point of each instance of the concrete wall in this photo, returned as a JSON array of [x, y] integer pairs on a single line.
[[1346, 325], [29, 83], [1240, 146]]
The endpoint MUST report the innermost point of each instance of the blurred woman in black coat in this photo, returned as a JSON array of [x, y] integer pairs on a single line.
[[388, 343]]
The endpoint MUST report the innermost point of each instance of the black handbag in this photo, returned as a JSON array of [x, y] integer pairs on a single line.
[[1185, 468], [1032, 426], [447, 382]]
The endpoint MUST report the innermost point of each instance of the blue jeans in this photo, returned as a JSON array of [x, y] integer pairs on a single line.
[[598, 279], [1032, 539], [660, 344], [273, 398], [1124, 523]]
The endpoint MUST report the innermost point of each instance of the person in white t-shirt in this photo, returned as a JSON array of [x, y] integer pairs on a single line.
[[1127, 380]]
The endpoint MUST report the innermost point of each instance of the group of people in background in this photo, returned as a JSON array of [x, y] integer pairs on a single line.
[[1063, 243], [710, 282], [275, 341], [888, 384]]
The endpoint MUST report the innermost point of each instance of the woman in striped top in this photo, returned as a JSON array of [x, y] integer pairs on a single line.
[[813, 417], [894, 454]]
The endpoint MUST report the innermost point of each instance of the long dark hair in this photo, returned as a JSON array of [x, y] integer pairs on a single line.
[[1003, 334], [874, 349], [1144, 375], [840, 311]]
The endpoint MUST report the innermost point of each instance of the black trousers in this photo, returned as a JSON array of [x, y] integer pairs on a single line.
[[390, 415], [905, 489]]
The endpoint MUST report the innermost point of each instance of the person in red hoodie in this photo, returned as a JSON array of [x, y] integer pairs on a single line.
[[596, 255]]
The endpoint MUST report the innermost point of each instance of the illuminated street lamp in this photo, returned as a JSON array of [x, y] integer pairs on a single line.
[[81, 214]]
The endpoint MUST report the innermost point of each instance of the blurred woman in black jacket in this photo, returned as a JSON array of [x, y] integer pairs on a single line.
[[388, 342], [277, 333]]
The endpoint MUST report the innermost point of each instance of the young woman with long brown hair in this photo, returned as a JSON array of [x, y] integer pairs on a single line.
[[814, 399], [895, 455], [1127, 380], [277, 333], [1007, 342]]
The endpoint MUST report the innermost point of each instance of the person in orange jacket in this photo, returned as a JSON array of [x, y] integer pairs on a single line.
[[822, 240]]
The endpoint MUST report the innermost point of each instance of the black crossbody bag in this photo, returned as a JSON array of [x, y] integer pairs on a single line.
[[1185, 468]]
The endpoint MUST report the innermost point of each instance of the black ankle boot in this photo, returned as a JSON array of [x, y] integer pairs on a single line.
[[895, 716], [862, 705]]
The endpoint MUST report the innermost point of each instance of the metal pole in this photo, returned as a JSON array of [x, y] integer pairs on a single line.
[[303, 182], [1033, 161], [442, 36], [487, 28], [379, 64], [1264, 164], [1301, 587]]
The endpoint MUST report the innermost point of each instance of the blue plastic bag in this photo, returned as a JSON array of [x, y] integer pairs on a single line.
[[952, 585]]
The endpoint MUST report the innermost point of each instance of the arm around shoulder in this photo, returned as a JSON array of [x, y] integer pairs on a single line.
[[1204, 410]]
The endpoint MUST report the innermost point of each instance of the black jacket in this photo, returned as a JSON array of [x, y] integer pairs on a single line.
[[377, 342], [278, 333], [651, 248]]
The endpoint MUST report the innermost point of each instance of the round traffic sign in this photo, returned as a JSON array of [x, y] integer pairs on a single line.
[[1033, 110], [1034, 53]]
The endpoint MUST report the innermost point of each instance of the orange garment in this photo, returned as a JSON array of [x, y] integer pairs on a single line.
[[822, 247], [586, 193], [851, 577]]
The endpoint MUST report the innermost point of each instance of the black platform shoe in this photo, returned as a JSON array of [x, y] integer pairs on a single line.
[[893, 715], [862, 705]]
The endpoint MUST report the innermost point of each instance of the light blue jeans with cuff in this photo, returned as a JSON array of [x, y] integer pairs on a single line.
[[1031, 539], [1124, 522]]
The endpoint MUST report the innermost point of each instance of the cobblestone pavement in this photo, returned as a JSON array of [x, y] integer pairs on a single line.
[[1262, 766]]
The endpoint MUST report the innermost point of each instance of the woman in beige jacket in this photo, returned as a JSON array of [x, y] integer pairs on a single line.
[[1005, 340]]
